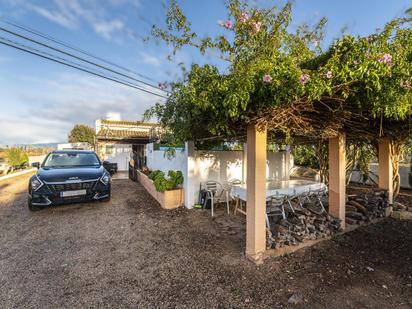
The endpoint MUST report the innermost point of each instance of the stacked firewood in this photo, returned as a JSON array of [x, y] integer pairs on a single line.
[[361, 208], [308, 223]]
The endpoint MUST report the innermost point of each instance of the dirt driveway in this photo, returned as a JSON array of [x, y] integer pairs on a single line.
[[130, 253]]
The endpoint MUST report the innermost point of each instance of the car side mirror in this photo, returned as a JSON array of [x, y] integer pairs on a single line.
[[36, 165], [106, 162]]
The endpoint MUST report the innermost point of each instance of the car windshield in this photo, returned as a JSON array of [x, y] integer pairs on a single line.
[[71, 159]]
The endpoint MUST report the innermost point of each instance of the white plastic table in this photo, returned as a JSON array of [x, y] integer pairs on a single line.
[[286, 187]]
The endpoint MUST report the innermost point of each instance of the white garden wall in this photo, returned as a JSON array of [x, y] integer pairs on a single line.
[[226, 165], [158, 160], [404, 170], [201, 166]]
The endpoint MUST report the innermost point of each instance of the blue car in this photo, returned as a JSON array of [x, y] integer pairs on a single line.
[[68, 176]]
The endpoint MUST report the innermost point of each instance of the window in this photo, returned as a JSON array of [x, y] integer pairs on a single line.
[[71, 159]]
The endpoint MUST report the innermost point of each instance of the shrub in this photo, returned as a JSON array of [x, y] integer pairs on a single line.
[[305, 155], [153, 175], [16, 157], [176, 177], [162, 183]]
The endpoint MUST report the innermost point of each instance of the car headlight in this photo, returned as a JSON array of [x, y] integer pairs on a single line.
[[36, 183], [105, 179]]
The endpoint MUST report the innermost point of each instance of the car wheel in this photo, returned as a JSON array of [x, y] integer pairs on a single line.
[[31, 206]]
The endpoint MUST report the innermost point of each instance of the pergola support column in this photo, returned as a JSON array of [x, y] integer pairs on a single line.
[[256, 193], [337, 179], [385, 168]]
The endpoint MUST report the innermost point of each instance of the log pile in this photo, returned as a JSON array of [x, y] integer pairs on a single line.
[[307, 223], [364, 207], [310, 223]]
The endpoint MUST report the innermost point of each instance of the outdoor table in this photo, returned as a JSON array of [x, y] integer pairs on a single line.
[[287, 187]]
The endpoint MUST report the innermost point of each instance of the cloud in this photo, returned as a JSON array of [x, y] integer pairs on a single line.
[[149, 59], [48, 116], [72, 14], [105, 29], [54, 16]]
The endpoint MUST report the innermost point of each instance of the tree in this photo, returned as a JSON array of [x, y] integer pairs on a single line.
[[16, 157], [82, 133], [305, 155], [283, 79]]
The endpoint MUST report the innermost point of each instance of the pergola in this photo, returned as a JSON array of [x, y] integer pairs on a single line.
[[278, 87], [256, 183]]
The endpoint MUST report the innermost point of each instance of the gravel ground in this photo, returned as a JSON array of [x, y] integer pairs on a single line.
[[130, 253]]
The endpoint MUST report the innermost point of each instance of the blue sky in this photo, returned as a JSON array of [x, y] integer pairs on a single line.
[[41, 101]]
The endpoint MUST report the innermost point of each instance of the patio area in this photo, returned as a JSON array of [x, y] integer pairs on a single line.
[[282, 212]]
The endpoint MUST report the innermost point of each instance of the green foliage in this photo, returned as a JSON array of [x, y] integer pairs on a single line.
[[162, 183], [305, 155], [16, 157], [153, 175], [270, 67], [82, 133], [176, 178]]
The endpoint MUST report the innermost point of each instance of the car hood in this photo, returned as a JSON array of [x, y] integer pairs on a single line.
[[70, 174]]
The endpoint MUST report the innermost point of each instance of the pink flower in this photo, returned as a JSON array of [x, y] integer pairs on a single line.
[[244, 17], [355, 62], [267, 78], [256, 27], [226, 24], [304, 78], [386, 58], [329, 74], [314, 42], [406, 85]]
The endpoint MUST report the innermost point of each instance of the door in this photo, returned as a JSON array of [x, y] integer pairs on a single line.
[[119, 154]]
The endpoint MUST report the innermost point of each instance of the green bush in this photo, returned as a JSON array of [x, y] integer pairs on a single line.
[[162, 183], [176, 177], [304, 155], [153, 175], [16, 157]]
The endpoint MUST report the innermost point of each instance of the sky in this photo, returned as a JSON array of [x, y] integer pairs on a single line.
[[41, 101]]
